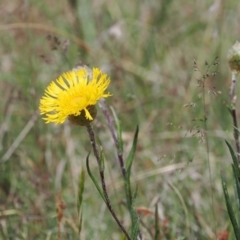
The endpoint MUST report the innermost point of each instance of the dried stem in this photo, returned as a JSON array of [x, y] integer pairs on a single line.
[[101, 172], [111, 128], [234, 115]]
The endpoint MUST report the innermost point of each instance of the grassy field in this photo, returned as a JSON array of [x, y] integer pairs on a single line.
[[148, 49]]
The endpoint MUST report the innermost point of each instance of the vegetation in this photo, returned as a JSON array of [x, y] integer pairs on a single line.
[[170, 81]]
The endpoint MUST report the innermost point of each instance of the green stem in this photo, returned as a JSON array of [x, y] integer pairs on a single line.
[[101, 172], [208, 157]]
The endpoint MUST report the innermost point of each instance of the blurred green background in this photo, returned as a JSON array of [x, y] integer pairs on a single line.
[[147, 48]]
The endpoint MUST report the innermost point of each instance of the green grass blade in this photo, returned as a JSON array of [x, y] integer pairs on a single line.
[[132, 152], [237, 183], [230, 210], [156, 237], [237, 190], [135, 194], [80, 190], [135, 230], [93, 178], [80, 197], [119, 131], [80, 224], [127, 186], [234, 158], [128, 174], [134, 217], [88, 27]]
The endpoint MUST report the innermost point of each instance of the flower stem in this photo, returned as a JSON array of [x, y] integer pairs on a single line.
[[101, 172], [234, 115], [126, 179], [111, 128]]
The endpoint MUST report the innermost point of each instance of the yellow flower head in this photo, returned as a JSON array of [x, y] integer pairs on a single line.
[[73, 94]]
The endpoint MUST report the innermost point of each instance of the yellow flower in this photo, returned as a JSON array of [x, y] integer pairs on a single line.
[[73, 94]]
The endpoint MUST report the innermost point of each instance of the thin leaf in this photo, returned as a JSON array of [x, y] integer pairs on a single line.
[[80, 224], [135, 229], [135, 194], [156, 237], [119, 131], [94, 179], [234, 158], [230, 210], [128, 170], [237, 189], [80, 190], [132, 152], [134, 217], [80, 197], [127, 187], [237, 183]]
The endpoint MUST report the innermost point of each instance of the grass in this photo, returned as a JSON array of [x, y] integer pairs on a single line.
[[148, 50]]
